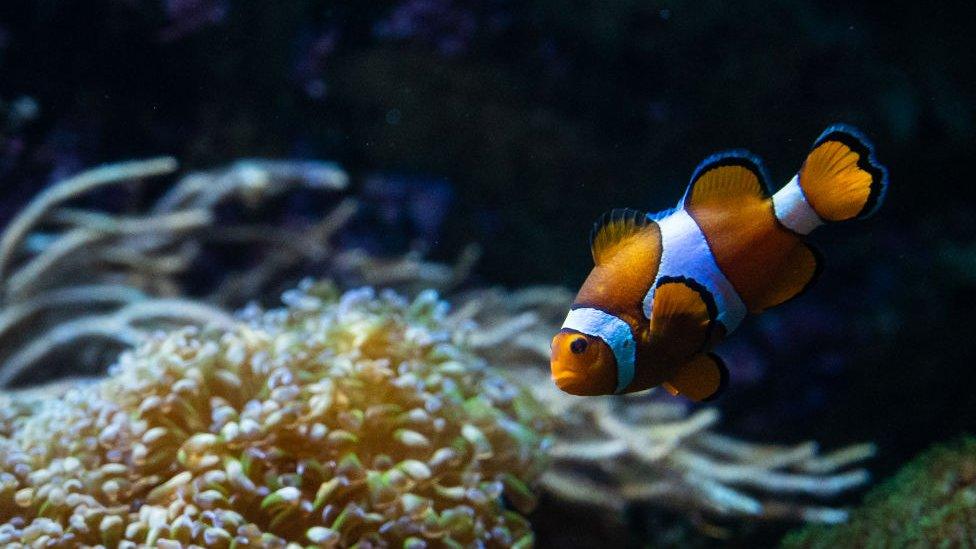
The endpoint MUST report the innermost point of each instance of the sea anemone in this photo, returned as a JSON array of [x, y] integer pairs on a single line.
[[335, 420], [931, 502]]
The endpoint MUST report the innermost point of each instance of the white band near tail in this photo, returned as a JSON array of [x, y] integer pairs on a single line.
[[614, 332], [793, 210], [685, 253]]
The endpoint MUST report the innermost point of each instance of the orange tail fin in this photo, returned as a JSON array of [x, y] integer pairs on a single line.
[[840, 178]]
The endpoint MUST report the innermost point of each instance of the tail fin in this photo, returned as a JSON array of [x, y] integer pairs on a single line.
[[841, 178]]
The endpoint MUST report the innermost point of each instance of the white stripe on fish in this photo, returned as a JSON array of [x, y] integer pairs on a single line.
[[685, 254], [614, 332]]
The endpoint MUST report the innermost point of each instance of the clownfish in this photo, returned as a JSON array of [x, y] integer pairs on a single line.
[[667, 287]]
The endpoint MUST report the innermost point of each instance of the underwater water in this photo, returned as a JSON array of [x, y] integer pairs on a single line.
[[281, 273]]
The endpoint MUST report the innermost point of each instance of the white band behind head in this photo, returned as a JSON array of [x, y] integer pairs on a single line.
[[793, 210], [685, 253], [614, 332]]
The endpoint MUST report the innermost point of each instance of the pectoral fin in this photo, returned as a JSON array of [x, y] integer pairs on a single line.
[[702, 378], [682, 316]]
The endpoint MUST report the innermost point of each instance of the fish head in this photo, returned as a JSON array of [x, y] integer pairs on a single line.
[[582, 364]]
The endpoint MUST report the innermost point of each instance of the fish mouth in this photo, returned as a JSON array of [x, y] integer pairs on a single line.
[[572, 382]]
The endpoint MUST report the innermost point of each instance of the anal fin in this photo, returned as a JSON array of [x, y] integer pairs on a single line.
[[701, 379], [799, 270]]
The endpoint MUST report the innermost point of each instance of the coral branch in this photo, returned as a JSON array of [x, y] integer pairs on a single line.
[[83, 183], [56, 259], [253, 180], [82, 240], [293, 250]]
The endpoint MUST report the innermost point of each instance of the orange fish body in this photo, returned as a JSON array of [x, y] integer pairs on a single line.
[[667, 287]]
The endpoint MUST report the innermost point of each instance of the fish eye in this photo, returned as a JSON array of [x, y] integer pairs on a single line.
[[578, 345]]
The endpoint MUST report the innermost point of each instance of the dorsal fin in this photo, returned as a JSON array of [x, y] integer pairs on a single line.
[[725, 178], [613, 227]]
